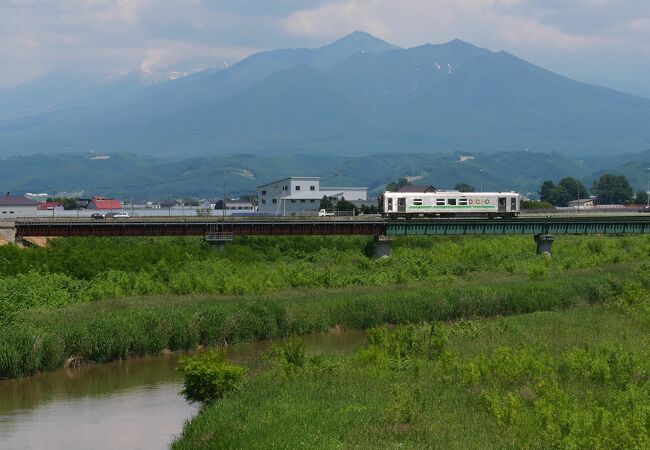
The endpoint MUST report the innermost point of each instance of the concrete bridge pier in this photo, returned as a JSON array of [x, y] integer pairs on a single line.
[[544, 244], [383, 246], [7, 232]]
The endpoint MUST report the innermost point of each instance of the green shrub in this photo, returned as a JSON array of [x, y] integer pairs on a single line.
[[209, 376], [290, 356]]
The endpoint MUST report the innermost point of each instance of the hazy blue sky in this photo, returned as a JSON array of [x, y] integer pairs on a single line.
[[585, 39]]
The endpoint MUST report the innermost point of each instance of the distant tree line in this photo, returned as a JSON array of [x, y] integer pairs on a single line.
[[66, 202], [608, 189]]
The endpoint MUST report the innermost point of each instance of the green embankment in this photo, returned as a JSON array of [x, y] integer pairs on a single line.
[[43, 339], [558, 379], [105, 299], [89, 269]]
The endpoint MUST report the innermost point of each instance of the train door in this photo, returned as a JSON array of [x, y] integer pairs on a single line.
[[502, 204], [401, 204]]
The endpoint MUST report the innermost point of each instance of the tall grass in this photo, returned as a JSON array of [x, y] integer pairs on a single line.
[[89, 269], [43, 339], [570, 386]]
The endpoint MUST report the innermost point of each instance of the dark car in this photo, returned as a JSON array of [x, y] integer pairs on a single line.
[[98, 216]]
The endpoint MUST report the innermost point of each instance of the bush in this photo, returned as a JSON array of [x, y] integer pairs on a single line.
[[209, 376], [290, 356]]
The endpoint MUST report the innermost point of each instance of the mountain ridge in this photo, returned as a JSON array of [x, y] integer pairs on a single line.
[[359, 94]]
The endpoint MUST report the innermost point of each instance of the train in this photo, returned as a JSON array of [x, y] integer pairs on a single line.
[[447, 203]]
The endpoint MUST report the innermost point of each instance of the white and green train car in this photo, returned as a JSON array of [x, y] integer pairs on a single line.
[[449, 204]]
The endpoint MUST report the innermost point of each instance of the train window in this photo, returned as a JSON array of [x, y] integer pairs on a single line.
[[390, 204], [451, 201], [513, 203], [462, 201], [440, 201], [417, 201]]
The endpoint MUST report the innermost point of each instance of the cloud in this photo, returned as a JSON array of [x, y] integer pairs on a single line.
[[120, 35], [433, 21], [577, 38]]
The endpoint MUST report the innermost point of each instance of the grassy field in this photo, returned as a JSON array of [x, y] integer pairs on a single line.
[[525, 351], [570, 379], [44, 338], [101, 299], [82, 270]]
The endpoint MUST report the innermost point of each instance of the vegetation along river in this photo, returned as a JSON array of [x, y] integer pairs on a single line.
[[132, 404]]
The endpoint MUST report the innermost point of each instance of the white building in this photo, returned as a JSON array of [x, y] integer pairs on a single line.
[[583, 203], [297, 195], [13, 206]]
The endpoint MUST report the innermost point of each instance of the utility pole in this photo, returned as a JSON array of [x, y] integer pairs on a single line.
[[223, 206], [647, 193], [481, 170]]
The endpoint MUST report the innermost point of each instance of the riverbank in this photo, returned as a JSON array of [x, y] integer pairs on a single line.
[[82, 270], [82, 407], [46, 339], [578, 378]]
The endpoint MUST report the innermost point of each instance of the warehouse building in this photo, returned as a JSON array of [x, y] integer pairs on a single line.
[[302, 195], [104, 203], [12, 206]]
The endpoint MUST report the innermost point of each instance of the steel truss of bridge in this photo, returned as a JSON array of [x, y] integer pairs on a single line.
[[637, 224]]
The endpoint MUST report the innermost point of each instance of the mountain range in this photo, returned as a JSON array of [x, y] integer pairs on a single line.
[[357, 96]]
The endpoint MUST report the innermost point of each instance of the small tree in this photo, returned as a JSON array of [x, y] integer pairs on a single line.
[[533, 204], [370, 209], [344, 205], [567, 189], [641, 198], [612, 189], [546, 190], [189, 201], [574, 188], [464, 187], [208, 376], [395, 186], [326, 203]]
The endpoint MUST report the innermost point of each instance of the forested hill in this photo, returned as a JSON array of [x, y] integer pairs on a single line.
[[358, 95], [126, 174]]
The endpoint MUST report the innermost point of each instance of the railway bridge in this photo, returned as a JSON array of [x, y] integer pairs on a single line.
[[218, 231]]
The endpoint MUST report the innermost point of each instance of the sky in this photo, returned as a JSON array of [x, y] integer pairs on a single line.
[[590, 40]]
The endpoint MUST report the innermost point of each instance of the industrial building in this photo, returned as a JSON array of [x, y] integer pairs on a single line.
[[302, 195], [12, 206], [104, 203]]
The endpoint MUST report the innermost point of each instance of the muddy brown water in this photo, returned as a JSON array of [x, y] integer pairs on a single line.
[[133, 404]]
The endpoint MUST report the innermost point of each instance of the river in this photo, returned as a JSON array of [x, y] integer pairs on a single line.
[[132, 404]]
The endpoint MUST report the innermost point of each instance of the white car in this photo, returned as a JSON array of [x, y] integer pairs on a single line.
[[121, 215], [324, 213]]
